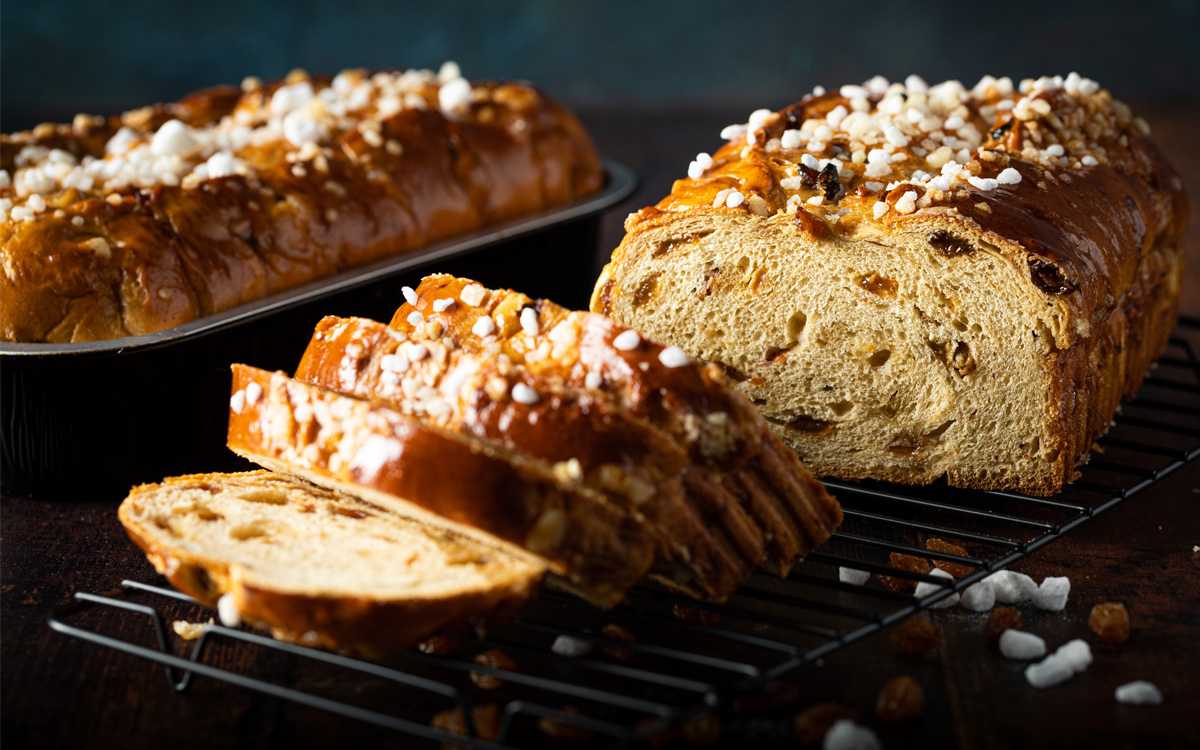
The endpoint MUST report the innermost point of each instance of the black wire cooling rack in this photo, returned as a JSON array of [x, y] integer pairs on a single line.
[[687, 658]]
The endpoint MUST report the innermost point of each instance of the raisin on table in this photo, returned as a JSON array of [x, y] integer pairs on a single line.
[[915, 637], [1001, 619], [1110, 621], [496, 660], [901, 699]]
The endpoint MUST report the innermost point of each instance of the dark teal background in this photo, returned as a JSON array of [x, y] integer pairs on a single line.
[[58, 58]]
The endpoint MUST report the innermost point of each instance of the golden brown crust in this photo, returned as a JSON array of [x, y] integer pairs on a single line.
[[368, 625], [410, 467], [631, 461], [758, 503], [131, 254], [1079, 221]]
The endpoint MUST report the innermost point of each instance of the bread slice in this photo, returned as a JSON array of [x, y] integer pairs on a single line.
[[741, 478], [319, 567], [635, 465], [475, 487], [900, 315]]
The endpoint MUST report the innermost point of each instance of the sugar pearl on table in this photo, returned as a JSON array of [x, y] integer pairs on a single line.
[[1011, 587], [1052, 594], [924, 589], [979, 597], [1017, 644], [1077, 654], [1049, 672], [566, 645], [846, 735], [853, 577], [1139, 693], [627, 341]]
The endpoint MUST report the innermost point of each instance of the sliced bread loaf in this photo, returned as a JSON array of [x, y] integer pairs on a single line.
[[741, 476], [319, 567], [492, 397], [533, 509]]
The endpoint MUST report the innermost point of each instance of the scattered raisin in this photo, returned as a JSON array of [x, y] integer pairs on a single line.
[[1001, 619], [777, 694], [616, 633], [915, 637], [496, 660], [486, 718], [658, 739], [904, 562], [703, 730], [812, 723], [901, 699], [439, 645], [557, 729], [1110, 621], [955, 569], [696, 615]]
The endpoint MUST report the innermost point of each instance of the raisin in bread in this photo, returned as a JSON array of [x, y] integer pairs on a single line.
[[761, 502], [121, 226], [475, 487], [914, 282], [319, 567]]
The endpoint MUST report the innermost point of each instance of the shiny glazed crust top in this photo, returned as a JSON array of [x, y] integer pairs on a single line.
[[1057, 173], [139, 222]]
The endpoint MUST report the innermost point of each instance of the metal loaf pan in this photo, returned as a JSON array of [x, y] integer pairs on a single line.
[[95, 418]]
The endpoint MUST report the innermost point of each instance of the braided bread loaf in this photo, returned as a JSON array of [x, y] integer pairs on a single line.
[[132, 224]]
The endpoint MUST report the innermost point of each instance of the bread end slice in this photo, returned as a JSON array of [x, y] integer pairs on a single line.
[[473, 486], [318, 567]]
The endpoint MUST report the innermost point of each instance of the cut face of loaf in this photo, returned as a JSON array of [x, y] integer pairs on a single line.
[[895, 323], [318, 567], [476, 488], [491, 397], [750, 486]]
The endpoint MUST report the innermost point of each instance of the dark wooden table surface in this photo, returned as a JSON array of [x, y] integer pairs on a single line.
[[58, 692]]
